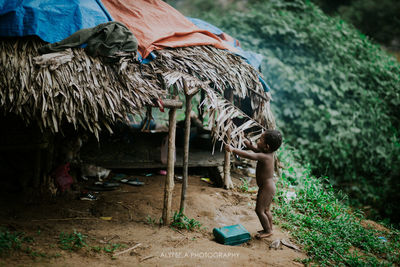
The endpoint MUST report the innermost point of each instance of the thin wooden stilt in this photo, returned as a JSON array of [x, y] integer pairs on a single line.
[[169, 180], [186, 151], [227, 161]]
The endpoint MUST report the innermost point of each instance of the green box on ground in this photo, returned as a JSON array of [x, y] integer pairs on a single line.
[[231, 235]]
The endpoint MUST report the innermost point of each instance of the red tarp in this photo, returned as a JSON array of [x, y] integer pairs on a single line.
[[157, 25]]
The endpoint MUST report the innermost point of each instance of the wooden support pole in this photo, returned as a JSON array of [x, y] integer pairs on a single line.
[[169, 103], [227, 170], [169, 180], [186, 151], [227, 162], [200, 109]]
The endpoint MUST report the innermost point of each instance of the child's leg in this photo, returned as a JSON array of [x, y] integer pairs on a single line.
[[272, 188], [264, 200], [263, 203], [269, 215]]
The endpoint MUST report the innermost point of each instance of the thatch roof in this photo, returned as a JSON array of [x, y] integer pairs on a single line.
[[71, 87]]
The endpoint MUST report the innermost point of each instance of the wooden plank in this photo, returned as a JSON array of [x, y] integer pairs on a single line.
[[170, 103], [197, 159]]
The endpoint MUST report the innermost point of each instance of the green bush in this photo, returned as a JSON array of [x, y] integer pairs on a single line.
[[336, 95], [330, 232], [378, 19]]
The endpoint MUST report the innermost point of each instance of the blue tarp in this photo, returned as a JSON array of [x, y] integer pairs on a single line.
[[51, 20], [55, 20], [252, 58]]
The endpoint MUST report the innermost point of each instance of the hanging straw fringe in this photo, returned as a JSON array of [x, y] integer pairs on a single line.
[[221, 112]]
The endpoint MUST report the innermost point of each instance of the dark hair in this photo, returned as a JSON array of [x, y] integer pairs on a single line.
[[273, 139]]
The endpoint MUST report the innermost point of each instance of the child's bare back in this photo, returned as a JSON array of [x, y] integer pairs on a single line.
[[268, 143]]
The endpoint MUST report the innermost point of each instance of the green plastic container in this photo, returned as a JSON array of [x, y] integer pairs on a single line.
[[231, 235]]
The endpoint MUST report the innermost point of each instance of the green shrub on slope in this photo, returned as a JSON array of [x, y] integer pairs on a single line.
[[336, 95], [329, 231]]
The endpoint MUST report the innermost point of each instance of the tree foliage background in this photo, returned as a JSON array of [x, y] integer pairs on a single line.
[[378, 19], [336, 94]]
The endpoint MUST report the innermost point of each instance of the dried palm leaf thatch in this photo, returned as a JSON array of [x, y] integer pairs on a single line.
[[221, 112], [71, 87], [221, 70]]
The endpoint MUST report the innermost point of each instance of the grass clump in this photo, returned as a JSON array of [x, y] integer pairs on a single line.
[[244, 187], [12, 241], [72, 241], [110, 248], [330, 232], [181, 221], [9, 240], [150, 220]]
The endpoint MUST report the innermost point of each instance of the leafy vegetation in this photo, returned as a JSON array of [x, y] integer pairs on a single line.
[[110, 248], [330, 232], [378, 19], [336, 95], [18, 241], [72, 241], [11, 241], [150, 220], [181, 221], [244, 187]]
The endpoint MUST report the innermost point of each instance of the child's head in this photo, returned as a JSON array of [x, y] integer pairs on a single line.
[[270, 141]]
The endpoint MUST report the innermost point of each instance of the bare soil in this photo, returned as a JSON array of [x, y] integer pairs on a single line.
[[132, 208]]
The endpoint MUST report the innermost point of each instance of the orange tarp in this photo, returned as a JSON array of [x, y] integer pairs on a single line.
[[157, 25]]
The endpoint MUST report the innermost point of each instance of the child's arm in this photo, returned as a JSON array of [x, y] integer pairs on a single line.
[[250, 146], [244, 154]]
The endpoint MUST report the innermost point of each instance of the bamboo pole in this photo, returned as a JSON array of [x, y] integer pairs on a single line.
[[186, 151], [169, 180], [227, 160]]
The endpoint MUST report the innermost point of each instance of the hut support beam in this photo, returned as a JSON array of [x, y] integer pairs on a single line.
[[169, 180], [227, 162], [172, 104], [186, 150]]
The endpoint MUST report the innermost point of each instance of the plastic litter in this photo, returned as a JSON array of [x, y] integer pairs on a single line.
[[207, 180], [382, 238]]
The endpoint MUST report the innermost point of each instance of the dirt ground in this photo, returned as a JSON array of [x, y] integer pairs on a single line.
[[132, 208]]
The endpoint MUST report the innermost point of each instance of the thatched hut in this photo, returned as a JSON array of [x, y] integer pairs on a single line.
[[55, 92]]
